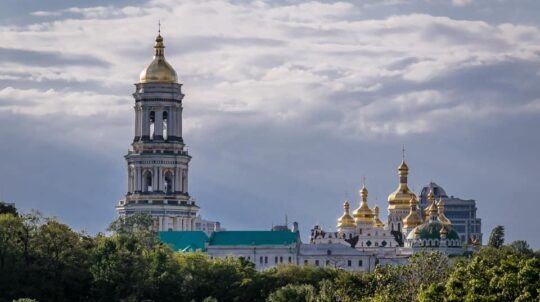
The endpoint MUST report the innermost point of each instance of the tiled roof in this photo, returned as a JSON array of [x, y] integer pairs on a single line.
[[184, 241], [253, 238]]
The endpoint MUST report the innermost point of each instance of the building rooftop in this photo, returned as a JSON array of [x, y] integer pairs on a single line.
[[184, 241], [253, 238]]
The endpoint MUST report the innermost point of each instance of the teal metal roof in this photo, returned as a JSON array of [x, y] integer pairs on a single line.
[[184, 241], [253, 238]]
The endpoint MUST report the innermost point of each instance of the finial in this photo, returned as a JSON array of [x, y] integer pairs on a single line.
[[159, 26], [403, 151], [364, 180]]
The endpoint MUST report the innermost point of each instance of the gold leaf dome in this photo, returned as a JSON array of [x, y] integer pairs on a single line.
[[363, 213], [413, 219], [159, 70], [402, 195], [346, 220], [440, 209]]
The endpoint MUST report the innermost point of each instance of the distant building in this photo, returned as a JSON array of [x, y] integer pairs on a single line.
[[462, 213], [266, 249], [207, 226]]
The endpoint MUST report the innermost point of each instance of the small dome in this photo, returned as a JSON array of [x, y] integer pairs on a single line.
[[412, 219], [433, 231], [346, 220], [363, 213], [159, 70]]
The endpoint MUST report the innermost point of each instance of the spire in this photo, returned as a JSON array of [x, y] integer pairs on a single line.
[[159, 46]]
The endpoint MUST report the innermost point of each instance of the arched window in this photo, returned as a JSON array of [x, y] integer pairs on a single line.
[[152, 124], [165, 123], [168, 182], [147, 181]]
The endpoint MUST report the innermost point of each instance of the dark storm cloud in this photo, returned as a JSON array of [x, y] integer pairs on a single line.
[[47, 58], [283, 118]]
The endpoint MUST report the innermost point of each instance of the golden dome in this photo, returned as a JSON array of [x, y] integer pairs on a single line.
[[363, 213], [432, 210], [158, 71], [440, 209], [378, 223], [346, 220], [413, 219], [401, 196], [431, 200]]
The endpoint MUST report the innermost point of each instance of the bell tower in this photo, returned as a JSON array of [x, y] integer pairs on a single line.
[[158, 160]]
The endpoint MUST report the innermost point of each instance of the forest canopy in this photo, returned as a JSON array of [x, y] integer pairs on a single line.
[[42, 259]]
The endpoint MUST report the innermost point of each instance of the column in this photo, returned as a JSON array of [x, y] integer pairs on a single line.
[[161, 179], [171, 131], [185, 176], [177, 178], [145, 122], [136, 133], [179, 122], [158, 125], [137, 179], [155, 179]]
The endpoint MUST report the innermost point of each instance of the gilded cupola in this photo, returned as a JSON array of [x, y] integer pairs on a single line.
[[346, 220], [440, 209], [432, 212], [159, 70], [376, 220], [413, 219], [363, 213], [430, 201], [402, 195]]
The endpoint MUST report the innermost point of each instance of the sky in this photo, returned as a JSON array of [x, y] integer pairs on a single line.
[[289, 104]]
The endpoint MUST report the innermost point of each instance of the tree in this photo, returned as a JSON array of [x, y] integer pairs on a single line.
[[139, 226], [8, 209], [495, 274], [496, 239], [293, 293], [521, 246]]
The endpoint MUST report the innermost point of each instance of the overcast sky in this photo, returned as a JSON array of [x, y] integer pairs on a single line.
[[288, 105]]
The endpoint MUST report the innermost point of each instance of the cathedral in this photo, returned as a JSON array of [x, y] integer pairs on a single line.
[[158, 160], [157, 173], [408, 227]]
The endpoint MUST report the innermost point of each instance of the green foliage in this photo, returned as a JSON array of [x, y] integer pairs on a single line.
[[8, 209], [44, 259], [496, 239], [521, 246], [25, 300], [293, 293]]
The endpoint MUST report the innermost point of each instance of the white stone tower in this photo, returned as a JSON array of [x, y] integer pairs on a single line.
[[158, 161]]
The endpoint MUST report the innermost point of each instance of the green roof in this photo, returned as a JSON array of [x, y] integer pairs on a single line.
[[253, 238], [184, 241]]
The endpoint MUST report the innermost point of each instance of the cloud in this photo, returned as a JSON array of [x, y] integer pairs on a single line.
[[310, 95]]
